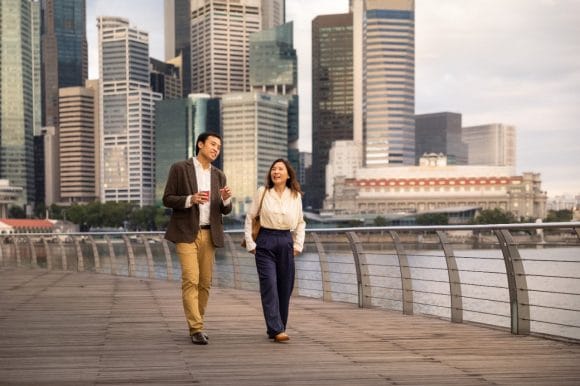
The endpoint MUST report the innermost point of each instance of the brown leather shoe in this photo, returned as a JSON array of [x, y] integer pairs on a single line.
[[281, 337]]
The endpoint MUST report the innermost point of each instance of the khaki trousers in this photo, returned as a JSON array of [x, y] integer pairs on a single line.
[[196, 273]]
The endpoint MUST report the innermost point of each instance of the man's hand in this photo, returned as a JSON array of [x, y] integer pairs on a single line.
[[226, 192]]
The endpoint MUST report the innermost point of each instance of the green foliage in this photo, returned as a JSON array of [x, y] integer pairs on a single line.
[[495, 216], [112, 215], [563, 215], [380, 221], [16, 212], [432, 219]]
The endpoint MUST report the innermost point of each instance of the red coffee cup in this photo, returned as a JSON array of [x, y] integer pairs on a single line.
[[206, 194]]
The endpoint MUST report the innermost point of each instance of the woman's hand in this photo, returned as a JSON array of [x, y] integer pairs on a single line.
[[253, 251], [296, 252]]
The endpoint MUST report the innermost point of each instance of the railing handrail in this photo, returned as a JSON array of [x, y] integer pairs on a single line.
[[482, 227]]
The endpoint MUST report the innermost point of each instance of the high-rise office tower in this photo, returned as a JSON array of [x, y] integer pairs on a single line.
[[178, 37], [64, 52], [77, 144], [332, 95], [20, 103], [255, 133], [179, 122], [273, 70], [273, 13], [493, 144], [165, 79], [127, 113], [220, 47], [384, 80], [64, 64], [440, 133]]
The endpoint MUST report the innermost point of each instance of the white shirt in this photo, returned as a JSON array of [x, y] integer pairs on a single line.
[[203, 177], [278, 212]]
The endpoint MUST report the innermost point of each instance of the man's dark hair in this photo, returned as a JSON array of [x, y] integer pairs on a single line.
[[203, 137]]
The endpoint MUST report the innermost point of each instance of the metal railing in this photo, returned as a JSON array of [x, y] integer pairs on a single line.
[[525, 277]]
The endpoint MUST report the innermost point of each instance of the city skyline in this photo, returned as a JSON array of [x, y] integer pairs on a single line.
[[466, 63]]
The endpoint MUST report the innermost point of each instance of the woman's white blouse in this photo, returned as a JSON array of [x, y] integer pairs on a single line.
[[278, 212]]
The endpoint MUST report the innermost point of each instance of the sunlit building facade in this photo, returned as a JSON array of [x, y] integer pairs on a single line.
[[384, 80], [220, 45], [255, 134], [127, 114]]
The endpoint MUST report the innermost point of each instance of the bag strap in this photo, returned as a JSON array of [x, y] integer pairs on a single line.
[[261, 201]]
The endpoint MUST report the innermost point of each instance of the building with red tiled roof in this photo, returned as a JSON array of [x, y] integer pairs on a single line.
[[17, 225]]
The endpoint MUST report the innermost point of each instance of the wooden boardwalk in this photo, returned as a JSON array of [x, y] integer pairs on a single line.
[[64, 328]]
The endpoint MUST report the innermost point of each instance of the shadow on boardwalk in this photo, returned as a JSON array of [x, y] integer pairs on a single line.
[[63, 328]]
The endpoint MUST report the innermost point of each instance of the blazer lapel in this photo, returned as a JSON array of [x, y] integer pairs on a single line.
[[191, 177]]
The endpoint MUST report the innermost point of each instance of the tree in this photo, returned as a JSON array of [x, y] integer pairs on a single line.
[[16, 212], [563, 215], [380, 221], [432, 219], [494, 216]]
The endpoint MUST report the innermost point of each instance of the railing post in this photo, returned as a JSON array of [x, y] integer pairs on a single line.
[[324, 268], [150, 266], [454, 280], [517, 285], [168, 260], [130, 257], [95, 254], [577, 230], [112, 257], [33, 256], [406, 280], [48, 253], [362, 275], [17, 251], [80, 259], [235, 260], [62, 255], [1, 251]]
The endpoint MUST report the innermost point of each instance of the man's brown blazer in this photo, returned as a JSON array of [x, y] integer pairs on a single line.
[[184, 222]]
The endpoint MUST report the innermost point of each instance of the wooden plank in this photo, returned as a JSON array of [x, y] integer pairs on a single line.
[[84, 328]]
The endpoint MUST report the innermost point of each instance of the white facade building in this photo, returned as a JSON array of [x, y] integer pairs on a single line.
[[255, 134], [344, 159], [127, 114], [493, 144], [434, 185]]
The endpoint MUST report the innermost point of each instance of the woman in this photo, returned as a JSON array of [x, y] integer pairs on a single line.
[[281, 238]]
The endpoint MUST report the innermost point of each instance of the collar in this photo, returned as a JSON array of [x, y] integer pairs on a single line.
[[198, 164]]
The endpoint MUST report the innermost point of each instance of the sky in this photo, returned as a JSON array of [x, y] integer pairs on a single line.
[[515, 62]]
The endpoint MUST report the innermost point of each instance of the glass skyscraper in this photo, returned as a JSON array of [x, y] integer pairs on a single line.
[[332, 96], [64, 51], [178, 123], [19, 93], [178, 39], [274, 70]]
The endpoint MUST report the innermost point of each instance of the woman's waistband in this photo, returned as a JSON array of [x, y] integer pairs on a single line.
[[270, 230]]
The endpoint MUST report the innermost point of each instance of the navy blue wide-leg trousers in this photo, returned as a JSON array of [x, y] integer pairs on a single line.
[[275, 264]]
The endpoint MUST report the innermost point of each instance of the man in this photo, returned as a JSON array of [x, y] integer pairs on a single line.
[[197, 193]]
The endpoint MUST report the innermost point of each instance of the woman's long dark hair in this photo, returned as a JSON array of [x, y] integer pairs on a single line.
[[291, 182]]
